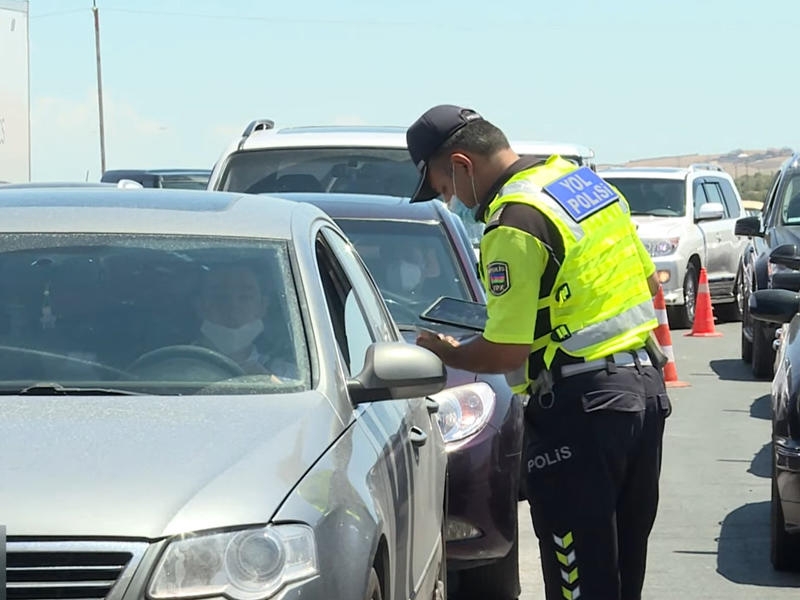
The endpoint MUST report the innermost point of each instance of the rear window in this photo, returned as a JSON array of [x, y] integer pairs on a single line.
[[149, 314], [652, 197], [329, 170]]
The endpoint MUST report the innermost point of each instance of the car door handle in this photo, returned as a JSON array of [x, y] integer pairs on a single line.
[[417, 436], [432, 406]]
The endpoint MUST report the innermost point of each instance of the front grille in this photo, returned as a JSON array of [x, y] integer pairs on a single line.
[[70, 570]]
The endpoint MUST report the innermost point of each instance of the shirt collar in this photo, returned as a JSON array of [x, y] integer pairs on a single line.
[[522, 163]]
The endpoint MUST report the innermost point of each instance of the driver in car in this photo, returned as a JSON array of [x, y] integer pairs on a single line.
[[232, 307]]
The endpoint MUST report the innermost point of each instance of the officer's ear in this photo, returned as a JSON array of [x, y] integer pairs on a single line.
[[459, 161]]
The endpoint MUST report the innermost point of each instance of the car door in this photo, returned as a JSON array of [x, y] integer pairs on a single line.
[[727, 250], [733, 207], [415, 453], [709, 230]]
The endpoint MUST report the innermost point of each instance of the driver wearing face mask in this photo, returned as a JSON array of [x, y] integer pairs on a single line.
[[232, 308], [415, 272]]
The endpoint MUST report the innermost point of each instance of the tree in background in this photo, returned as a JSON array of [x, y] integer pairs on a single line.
[[755, 186]]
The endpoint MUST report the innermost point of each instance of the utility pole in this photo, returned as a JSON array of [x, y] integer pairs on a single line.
[[99, 88]]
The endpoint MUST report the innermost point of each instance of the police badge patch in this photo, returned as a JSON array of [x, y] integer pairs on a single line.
[[499, 280]]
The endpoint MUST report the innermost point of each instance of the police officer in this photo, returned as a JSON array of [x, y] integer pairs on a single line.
[[570, 315]]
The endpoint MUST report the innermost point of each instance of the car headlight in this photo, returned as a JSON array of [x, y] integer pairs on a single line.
[[661, 247], [243, 565], [464, 410]]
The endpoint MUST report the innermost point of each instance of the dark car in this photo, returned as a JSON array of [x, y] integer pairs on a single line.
[[782, 306], [205, 396], [417, 253], [778, 223], [188, 179]]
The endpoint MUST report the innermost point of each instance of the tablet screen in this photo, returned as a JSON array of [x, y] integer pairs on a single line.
[[461, 313]]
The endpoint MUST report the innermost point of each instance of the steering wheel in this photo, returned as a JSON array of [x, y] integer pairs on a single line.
[[72, 359], [198, 353]]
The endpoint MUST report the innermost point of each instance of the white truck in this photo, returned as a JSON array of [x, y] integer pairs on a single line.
[[14, 92]]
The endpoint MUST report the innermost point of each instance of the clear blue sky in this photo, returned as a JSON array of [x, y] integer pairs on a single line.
[[631, 79]]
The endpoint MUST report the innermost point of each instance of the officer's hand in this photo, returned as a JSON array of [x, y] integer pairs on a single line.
[[436, 342]]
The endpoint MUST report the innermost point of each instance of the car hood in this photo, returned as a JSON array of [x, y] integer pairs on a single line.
[[147, 467], [651, 228]]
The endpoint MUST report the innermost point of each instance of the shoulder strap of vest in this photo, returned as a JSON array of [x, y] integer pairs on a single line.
[[494, 222]]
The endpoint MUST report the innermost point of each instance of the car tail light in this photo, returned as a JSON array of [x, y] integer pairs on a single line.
[[464, 410]]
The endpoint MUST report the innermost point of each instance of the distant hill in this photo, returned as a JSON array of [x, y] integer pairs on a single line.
[[737, 162]]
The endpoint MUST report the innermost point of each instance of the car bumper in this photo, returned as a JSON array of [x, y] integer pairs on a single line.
[[483, 493], [787, 462], [671, 269]]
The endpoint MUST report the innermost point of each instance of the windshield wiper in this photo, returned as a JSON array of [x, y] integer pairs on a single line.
[[56, 389]]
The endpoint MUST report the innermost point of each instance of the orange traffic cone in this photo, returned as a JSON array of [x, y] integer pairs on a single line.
[[665, 341], [703, 312]]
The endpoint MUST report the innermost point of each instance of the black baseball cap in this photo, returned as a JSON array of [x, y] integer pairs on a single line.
[[427, 135]]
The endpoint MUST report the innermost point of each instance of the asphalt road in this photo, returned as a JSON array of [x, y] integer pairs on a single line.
[[711, 536]]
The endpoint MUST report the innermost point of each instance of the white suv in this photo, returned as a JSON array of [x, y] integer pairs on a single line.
[[356, 160], [340, 159], [686, 219]]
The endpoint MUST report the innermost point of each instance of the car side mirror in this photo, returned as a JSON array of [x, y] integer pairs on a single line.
[[774, 306], [397, 370], [711, 211], [786, 255], [748, 226]]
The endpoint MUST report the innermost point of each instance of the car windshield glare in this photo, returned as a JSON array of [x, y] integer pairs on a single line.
[[652, 197], [412, 263], [384, 171], [149, 314]]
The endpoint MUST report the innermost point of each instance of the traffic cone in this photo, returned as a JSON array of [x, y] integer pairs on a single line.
[[703, 312], [665, 341]]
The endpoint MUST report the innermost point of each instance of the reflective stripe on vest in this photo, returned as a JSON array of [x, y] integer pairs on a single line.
[[604, 330]]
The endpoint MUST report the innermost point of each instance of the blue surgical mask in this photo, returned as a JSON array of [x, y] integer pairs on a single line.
[[465, 213], [462, 211]]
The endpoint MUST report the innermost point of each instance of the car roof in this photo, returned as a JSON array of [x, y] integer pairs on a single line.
[[56, 184], [662, 172], [377, 137], [149, 211], [128, 172], [367, 206]]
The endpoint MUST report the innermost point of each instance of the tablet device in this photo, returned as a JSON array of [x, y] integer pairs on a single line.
[[460, 313]]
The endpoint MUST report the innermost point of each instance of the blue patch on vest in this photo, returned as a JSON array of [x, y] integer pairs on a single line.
[[581, 193]]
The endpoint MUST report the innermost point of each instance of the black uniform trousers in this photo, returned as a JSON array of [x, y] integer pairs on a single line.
[[593, 459]]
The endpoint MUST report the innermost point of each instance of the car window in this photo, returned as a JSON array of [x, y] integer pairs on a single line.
[[714, 194], [349, 312], [150, 314], [386, 171], [732, 208], [700, 197], [186, 181], [790, 200], [362, 282], [769, 199], [654, 197], [413, 263]]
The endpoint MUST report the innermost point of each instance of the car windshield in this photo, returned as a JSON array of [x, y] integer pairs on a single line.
[[149, 314], [385, 171], [413, 264], [653, 197], [790, 201]]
